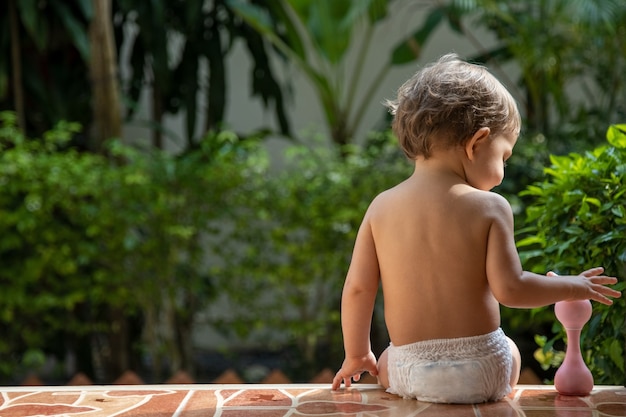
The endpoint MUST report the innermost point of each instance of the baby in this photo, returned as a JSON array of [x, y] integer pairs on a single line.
[[442, 245]]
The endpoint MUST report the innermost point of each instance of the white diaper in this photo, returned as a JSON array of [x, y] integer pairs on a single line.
[[467, 370]]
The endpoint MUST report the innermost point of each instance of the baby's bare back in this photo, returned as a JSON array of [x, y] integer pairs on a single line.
[[431, 240]]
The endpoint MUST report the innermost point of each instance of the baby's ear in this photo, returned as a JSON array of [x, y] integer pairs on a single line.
[[477, 139]]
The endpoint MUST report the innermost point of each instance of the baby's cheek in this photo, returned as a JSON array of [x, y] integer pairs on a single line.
[[488, 177], [496, 175]]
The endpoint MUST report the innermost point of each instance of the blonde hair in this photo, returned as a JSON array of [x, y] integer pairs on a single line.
[[447, 102]]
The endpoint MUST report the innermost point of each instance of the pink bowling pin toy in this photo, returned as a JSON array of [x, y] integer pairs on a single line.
[[573, 377]]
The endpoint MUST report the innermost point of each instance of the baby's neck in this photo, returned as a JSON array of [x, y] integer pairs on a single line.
[[442, 164]]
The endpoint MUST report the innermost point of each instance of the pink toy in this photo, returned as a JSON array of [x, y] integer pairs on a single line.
[[573, 377]]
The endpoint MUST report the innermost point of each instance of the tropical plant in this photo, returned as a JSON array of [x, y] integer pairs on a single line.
[[577, 220], [48, 46], [62, 62], [570, 81], [178, 51], [317, 35]]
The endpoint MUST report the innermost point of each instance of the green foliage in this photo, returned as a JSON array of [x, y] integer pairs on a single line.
[[52, 77], [160, 236], [546, 355], [82, 236], [295, 234], [570, 80], [53, 42], [204, 33], [55, 223], [40, 27], [171, 206], [577, 220]]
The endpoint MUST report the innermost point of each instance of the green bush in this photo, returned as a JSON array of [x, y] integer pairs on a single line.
[[88, 243], [577, 220], [295, 232], [53, 231]]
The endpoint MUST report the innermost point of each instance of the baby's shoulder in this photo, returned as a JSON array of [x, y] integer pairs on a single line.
[[486, 202], [390, 197]]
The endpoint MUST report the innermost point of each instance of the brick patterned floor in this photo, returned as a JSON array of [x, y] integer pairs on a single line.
[[290, 400]]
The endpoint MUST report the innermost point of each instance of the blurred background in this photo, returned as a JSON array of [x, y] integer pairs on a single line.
[[181, 181]]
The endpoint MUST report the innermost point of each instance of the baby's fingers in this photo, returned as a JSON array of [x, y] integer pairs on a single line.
[[610, 292], [603, 293], [346, 382], [593, 271], [339, 379], [603, 280], [601, 299]]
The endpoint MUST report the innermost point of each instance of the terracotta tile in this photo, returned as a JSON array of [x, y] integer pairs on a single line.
[[322, 408], [296, 400], [201, 403], [565, 401], [259, 398], [608, 394], [558, 413], [154, 403], [43, 397], [43, 410], [254, 413], [612, 409], [537, 398], [448, 410], [504, 408]]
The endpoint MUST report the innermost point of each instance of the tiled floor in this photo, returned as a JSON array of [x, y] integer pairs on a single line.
[[290, 400]]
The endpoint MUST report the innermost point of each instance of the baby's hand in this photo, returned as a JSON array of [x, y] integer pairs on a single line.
[[595, 285], [352, 369]]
